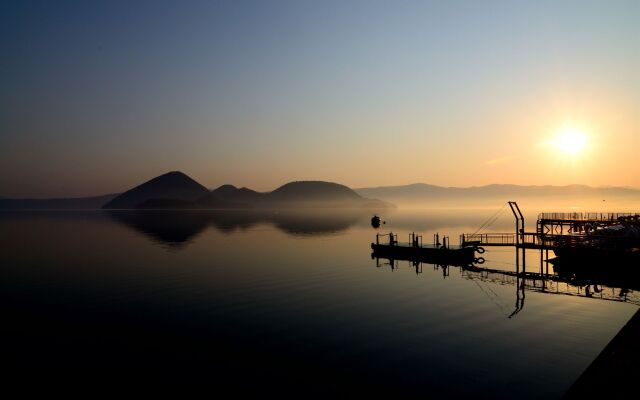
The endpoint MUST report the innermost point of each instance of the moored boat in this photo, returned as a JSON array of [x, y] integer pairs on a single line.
[[612, 244]]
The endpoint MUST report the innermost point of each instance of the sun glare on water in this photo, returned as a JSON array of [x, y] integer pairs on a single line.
[[570, 141]]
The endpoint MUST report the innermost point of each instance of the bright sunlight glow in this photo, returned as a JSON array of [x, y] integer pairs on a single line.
[[570, 141]]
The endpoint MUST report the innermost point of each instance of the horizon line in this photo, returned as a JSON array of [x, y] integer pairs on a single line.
[[4, 197]]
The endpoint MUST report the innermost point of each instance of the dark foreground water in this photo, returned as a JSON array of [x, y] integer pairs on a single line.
[[285, 303]]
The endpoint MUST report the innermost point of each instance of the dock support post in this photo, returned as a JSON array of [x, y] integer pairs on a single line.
[[541, 270], [519, 222]]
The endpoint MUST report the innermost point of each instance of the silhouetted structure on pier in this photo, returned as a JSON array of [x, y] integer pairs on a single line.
[[582, 237]]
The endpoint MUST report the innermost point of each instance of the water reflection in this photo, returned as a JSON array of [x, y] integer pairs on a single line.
[[618, 283], [178, 228], [175, 229], [82, 293]]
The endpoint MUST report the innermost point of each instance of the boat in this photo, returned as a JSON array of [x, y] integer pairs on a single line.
[[617, 243]]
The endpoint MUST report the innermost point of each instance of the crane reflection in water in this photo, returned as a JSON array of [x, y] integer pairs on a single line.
[[618, 283]]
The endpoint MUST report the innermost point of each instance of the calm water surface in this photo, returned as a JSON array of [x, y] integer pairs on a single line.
[[280, 302]]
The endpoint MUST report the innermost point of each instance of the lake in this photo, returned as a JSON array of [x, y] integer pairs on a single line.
[[288, 303]]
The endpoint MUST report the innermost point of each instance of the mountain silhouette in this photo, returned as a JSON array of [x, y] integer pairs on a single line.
[[306, 194], [170, 189], [424, 193], [319, 194], [313, 191], [229, 196], [175, 190]]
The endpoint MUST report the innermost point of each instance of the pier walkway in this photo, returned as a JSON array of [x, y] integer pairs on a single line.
[[552, 230]]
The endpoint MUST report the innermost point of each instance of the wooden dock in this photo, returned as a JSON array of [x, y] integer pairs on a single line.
[[574, 235], [415, 250]]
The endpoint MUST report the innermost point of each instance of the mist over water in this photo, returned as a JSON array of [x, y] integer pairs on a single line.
[[278, 302], [531, 206]]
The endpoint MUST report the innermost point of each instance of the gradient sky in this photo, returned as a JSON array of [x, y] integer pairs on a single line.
[[97, 97]]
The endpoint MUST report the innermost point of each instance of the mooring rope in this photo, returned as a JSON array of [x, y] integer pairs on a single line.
[[491, 220]]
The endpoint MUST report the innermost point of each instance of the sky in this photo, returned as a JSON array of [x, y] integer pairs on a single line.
[[98, 97]]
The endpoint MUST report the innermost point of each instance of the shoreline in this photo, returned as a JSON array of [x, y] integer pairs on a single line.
[[616, 369]]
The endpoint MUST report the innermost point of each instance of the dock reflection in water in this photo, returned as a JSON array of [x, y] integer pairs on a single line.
[[619, 283]]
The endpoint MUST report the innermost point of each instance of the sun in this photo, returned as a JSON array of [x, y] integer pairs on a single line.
[[570, 141]]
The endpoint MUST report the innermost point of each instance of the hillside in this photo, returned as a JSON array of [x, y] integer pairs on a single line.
[[174, 186], [312, 193], [229, 196], [290, 195]]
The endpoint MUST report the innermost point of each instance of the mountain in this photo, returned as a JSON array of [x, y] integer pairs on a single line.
[[291, 195], [425, 193], [81, 203], [319, 194], [172, 188], [229, 196], [175, 190], [305, 191]]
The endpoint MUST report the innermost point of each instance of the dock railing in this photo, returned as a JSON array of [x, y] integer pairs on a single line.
[[387, 239], [496, 239], [416, 241], [584, 216], [507, 239], [534, 240]]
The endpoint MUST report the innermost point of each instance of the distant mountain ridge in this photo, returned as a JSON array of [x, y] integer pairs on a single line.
[[421, 192], [176, 190]]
